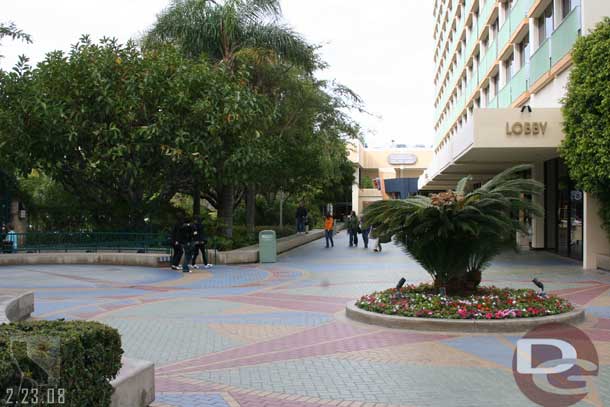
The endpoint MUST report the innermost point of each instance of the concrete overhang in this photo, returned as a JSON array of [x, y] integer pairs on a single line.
[[493, 140]]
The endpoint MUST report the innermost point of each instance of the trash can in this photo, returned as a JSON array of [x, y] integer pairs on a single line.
[[267, 246]]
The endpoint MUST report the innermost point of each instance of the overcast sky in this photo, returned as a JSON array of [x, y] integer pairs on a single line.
[[382, 50]]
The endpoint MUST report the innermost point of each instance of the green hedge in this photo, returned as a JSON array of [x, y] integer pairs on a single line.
[[70, 361]]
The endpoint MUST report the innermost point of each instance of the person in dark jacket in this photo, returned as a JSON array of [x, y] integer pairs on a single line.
[[201, 244], [301, 218], [186, 236], [176, 246], [366, 230], [352, 229]]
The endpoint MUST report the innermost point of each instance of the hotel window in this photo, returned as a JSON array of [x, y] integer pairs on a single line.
[[545, 24], [524, 51], [493, 30], [496, 84], [567, 6], [509, 66]]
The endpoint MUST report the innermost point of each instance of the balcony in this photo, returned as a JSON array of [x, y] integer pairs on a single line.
[[504, 34], [504, 96], [493, 103], [540, 62], [370, 193], [565, 36], [519, 13], [519, 85]]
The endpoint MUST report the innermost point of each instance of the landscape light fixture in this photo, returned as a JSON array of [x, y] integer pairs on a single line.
[[401, 282], [528, 107]]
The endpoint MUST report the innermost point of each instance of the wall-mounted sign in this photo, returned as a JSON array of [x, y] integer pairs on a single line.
[[526, 128], [402, 159]]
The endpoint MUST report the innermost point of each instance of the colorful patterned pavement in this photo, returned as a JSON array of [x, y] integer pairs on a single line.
[[275, 335]]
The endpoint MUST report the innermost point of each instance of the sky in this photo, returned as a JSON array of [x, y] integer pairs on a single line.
[[381, 50]]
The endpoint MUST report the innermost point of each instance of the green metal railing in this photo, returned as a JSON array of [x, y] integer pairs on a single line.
[[504, 97], [504, 34], [565, 36], [518, 13], [485, 14], [540, 62], [36, 242], [518, 84], [493, 103]]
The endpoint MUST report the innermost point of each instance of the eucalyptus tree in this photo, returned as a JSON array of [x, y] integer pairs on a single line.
[[224, 32]]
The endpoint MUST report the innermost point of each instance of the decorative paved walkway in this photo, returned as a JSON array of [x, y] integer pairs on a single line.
[[276, 335]]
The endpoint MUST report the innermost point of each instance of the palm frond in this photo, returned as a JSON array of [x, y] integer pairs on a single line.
[[461, 185]]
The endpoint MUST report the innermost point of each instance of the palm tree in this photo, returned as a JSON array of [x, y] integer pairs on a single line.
[[223, 32], [454, 235]]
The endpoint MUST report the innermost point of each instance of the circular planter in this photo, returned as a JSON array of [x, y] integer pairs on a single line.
[[460, 325]]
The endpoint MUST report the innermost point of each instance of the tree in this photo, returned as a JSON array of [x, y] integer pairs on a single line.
[[10, 30], [223, 33], [586, 111], [117, 127], [454, 235]]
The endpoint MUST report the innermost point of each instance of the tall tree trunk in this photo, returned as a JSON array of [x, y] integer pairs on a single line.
[[196, 198], [251, 208], [225, 208]]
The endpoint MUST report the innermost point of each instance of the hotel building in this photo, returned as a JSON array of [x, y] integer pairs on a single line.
[[501, 70]]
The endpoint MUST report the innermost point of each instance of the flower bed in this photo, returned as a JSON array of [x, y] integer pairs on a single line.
[[489, 303]]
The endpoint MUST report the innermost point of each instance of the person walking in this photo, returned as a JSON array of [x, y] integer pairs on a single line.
[[329, 227], [380, 239], [352, 229], [11, 236], [186, 239], [301, 217], [176, 246], [201, 244], [366, 230]]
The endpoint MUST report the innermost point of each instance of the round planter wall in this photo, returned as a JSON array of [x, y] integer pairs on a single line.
[[460, 325]]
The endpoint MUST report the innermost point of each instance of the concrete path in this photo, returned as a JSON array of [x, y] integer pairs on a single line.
[[276, 335]]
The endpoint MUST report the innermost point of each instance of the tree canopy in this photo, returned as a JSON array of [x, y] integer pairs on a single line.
[[116, 126], [219, 102]]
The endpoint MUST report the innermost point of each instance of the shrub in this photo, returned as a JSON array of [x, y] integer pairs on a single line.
[[454, 235], [586, 114], [71, 359]]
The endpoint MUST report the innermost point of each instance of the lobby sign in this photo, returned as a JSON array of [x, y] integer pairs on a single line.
[[402, 159], [526, 128]]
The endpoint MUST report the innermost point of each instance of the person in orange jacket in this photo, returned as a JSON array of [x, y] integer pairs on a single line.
[[329, 226]]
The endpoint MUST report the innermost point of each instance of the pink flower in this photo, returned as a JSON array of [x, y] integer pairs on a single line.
[[489, 315]]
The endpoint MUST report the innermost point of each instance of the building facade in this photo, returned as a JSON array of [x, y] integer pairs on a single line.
[[386, 173], [501, 70]]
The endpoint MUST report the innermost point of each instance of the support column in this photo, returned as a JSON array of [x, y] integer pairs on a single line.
[[356, 192], [595, 237], [538, 221]]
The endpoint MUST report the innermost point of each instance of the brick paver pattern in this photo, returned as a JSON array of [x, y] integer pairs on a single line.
[[276, 335]]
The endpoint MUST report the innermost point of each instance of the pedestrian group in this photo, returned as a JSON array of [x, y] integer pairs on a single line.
[[188, 239]]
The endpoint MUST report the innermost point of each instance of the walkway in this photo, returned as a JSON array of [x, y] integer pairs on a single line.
[[275, 335]]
